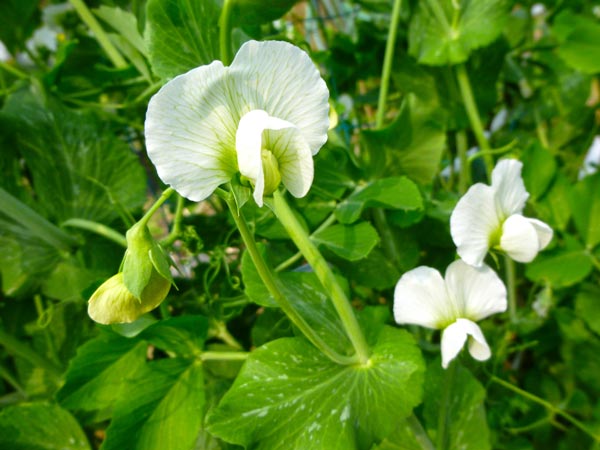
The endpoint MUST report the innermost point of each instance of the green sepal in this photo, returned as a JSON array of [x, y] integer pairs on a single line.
[[137, 266], [161, 261]]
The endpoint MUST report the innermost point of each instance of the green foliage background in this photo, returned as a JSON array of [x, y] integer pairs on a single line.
[[74, 176]]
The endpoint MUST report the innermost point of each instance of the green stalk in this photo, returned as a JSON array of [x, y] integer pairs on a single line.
[[88, 18], [466, 93], [387, 64], [16, 348], [443, 416], [549, 406], [99, 229], [511, 288], [224, 356], [420, 435], [225, 28], [271, 284], [38, 225], [157, 204], [319, 265], [176, 230]]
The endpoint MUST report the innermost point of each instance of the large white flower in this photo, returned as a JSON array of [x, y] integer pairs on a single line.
[[454, 304], [490, 217], [264, 116]]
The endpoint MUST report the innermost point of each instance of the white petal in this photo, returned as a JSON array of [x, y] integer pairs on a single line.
[[511, 194], [294, 158], [519, 239], [478, 291], [249, 144], [421, 298], [190, 132], [473, 223], [281, 79], [454, 337], [544, 232]]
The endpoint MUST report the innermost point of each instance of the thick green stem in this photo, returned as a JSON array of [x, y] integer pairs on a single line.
[[157, 204], [549, 406], [387, 64], [511, 287], [444, 412], [88, 18], [38, 225], [319, 265], [225, 32], [224, 356], [99, 229], [16, 348], [420, 435], [271, 284], [466, 93]]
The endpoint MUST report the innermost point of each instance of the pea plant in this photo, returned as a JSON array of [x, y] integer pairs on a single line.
[[341, 224]]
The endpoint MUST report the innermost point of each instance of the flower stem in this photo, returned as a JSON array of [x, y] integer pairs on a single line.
[[271, 284], [319, 265], [157, 204], [97, 228], [420, 435], [387, 64], [224, 356], [88, 18], [511, 282], [464, 177], [225, 32], [176, 230], [443, 415], [466, 93], [549, 406]]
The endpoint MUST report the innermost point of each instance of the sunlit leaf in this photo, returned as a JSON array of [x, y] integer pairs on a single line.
[[289, 392], [351, 242]]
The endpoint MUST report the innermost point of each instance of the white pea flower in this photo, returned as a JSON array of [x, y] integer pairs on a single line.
[[264, 116], [490, 217], [454, 304]]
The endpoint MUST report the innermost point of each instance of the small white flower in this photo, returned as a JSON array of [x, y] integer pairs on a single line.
[[490, 217], [264, 116], [454, 304]]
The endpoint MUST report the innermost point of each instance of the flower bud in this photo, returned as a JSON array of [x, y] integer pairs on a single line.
[[114, 303], [271, 171]]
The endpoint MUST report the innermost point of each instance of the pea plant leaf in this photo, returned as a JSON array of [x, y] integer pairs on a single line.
[[578, 37], [351, 242], [289, 392], [443, 32], [254, 12], [161, 408], [40, 426], [181, 35], [467, 424], [585, 204]]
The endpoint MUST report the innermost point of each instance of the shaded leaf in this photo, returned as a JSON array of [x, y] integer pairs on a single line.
[[579, 39], [351, 242]]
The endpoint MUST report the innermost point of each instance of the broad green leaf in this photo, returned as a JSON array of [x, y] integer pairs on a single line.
[[96, 376], [587, 305], [181, 34], [539, 168], [561, 267], [375, 271], [161, 408], [389, 193], [78, 166], [402, 438], [40, 426], [467, 425], [443, 32], [289, 392], [255, 12], [411, 145], [554, 207], [579, 38], [182, 335], [68, 281], [585, 204], [351, 242], [125, 23]]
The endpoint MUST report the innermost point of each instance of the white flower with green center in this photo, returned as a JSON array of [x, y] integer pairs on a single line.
[[466, 295], [264, 116], [490, 217]]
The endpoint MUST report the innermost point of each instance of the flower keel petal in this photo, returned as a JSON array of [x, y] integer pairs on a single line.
[[519, 239], [454, 337]]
